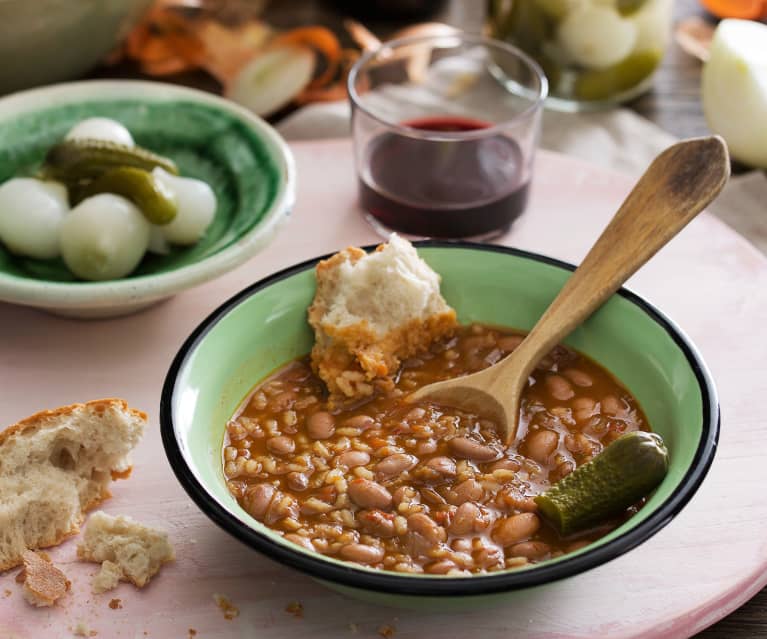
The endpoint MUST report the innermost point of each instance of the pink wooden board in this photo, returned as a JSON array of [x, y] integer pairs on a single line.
[[707, 562]]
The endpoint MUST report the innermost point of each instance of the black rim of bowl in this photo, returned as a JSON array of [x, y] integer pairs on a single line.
[[393, 583]]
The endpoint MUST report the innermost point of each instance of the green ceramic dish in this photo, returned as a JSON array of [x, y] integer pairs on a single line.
[[245, 161], [265, 326]]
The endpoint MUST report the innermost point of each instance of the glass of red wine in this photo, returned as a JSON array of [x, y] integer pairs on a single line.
[[445, 130]]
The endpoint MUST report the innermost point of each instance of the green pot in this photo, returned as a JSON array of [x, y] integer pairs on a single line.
[[265, 326]]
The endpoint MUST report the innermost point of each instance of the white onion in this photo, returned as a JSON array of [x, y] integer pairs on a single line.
[[653, 24], [597, 37], [101, 129], [196, 207], [104, 237], [31, 212], [734, 88], [271, 80]]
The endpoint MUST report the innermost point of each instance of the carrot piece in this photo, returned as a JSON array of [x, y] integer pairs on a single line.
[[319, 39], [744, 9], [168, 66]]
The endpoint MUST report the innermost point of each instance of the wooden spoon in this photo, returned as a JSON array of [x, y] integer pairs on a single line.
[[678, 184]]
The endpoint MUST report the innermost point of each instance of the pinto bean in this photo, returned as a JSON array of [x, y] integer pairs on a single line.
[[468, 490], [465, 519], [425, 526], [505, 464], [376, 522], [530, 549], [257, 499], [611, 405], [363, 422], [406, 495], [282, 401], [441, 567], [297, 481], [320, 425], [511, 530], [281, 445], [426, 447], [361, 553], [300, 541], [352, 458], [540, 444], [415, 414], [281, 506], [488, 557], [442, 465], [578, 377], [469, 449], [369, 494], [559, 388], [395, 465]]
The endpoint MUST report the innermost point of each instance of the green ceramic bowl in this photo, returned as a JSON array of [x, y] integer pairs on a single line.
[[246, 162], [265, 326]]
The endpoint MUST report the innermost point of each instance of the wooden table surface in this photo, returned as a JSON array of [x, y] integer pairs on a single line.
[[673, 103]]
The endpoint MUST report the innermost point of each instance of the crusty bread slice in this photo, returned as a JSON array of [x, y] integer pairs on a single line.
[[371, 311], [43, 583], [138, 550], [57, 464]]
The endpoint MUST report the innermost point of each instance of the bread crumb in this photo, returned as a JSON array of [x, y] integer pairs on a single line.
[[7, 593], [296, 609], [106, 578], [43, 582], [369, 312], [192, 633], [387, 631], [227, 607], [82, 630], [114, 604], [129, 550]]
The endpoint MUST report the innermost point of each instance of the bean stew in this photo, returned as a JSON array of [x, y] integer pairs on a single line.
[[419, 488]]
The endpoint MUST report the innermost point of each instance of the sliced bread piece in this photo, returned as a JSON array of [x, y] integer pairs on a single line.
[[371, 311], [139, 551], [56, 465], [43, 583]]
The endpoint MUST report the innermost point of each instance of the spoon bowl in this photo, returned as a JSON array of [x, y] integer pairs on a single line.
[[677, 185]]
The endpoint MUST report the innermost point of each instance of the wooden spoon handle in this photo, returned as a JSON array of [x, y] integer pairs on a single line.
[[678, 184]]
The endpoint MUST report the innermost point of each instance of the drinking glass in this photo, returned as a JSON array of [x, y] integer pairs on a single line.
[[445, 130]]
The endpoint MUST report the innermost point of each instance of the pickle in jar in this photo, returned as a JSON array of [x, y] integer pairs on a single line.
[[627, 74]]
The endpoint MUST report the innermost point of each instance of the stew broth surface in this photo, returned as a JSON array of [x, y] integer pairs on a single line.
[[420, 487]]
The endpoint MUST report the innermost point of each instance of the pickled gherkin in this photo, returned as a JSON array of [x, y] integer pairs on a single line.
[[600, 85], [72, 161], [629, 7], [150, 195], [628, 470]]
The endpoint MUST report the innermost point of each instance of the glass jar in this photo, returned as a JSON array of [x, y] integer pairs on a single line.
[[595, 53]]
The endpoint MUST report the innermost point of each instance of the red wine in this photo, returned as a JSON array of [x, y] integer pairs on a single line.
[[446, 188]]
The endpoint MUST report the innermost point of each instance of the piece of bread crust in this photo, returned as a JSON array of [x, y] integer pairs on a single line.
[[43, 583], [138, 550], [366, 320], [56, 465]]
